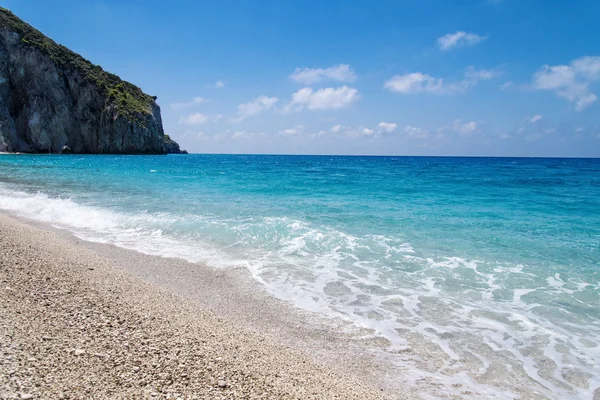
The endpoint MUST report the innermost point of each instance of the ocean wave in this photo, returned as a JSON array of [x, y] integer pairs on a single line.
[[452, 320]]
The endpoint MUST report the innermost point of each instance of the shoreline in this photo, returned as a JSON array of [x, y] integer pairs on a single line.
[[44, 297], [421, 369]]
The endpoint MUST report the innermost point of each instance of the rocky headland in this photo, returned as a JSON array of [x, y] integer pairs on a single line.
[[53, 100]]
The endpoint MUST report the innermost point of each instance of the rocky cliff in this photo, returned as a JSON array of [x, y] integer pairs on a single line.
[[51, 97]]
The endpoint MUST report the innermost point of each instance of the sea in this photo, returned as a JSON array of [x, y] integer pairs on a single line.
[[488, 266]]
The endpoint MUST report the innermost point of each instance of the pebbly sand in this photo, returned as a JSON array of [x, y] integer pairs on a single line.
[[74, 324]]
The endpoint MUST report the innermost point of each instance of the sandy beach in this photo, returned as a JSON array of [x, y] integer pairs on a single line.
[[74, 325]]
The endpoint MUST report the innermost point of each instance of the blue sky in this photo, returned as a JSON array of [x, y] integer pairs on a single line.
[[481, 77]]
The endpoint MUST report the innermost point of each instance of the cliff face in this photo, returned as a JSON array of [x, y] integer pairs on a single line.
[[51, 97]]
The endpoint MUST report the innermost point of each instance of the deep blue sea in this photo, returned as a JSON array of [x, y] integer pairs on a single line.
[[492, 264]]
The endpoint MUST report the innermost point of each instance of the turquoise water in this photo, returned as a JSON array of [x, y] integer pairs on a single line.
[[492, 264]]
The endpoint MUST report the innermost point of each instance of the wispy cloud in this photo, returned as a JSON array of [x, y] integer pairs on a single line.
[[195, 135], [296, 130], [475, 74], [416, 132], [362, 131], [227, 135], [240, 135], [187, 104], [534, 119], [417, 82], [464, 128], [572, 81], [323, 99], [507, 85], [194, 119], [336, 128], [459, 39], [219, 84], [368, 131], [258, 105], [308, 76]]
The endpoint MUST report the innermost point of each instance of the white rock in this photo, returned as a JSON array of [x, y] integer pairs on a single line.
[[79, 352]]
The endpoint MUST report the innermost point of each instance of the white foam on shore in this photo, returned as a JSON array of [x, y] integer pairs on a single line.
[[453, 322], [140, 232]]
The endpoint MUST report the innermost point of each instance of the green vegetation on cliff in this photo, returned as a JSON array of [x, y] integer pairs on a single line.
[[128, 99]]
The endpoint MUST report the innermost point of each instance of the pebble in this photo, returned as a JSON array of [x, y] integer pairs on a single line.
[[128, 326]]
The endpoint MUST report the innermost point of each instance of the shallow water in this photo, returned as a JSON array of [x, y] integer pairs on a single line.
[[482, 273]]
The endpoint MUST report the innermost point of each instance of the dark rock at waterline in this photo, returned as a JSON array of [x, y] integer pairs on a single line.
[[172, 147]]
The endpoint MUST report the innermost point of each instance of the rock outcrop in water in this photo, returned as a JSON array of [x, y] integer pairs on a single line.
[[52, 99], [172, 147]]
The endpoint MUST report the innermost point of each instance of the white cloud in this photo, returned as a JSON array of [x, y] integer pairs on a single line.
[[194, 119], [387, 126], [336, 128], [464, 128], [367, 131], [504, 136], [416, 82], [298, 129], [416, 132], [459, 39], [534, 119], [589, 67], [260, 104], [186, 104], [362, 131], [323, 99], [572, 81], [308, 76], [289, 132], [219, 84]]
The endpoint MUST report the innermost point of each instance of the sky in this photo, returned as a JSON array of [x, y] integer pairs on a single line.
[[413, 77]]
